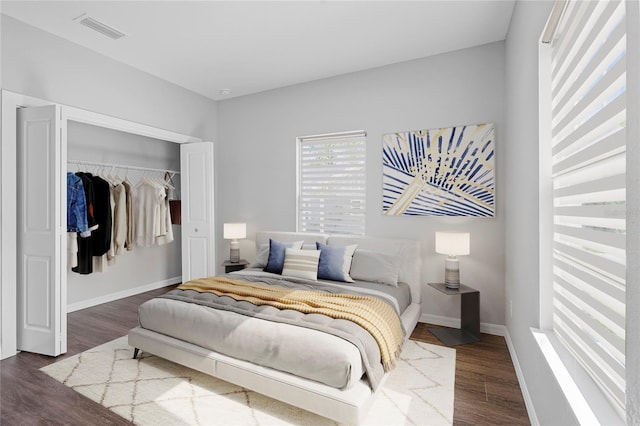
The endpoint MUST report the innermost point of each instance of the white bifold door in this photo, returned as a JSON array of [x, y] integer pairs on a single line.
[[41, 291], [196, 174], [42, 222]]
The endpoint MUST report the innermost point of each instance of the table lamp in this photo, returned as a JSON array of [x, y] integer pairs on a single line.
[[233, 231], [452, 244]]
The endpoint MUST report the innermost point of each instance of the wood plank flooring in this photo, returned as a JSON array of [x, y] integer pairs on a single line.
[[486, 390]]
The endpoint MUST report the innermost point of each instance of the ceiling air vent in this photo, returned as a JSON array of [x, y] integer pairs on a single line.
[[98, 26]]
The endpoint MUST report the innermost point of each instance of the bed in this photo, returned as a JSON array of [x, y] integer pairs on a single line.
[[327, 366]]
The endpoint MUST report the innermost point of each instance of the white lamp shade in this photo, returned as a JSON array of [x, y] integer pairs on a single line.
[[453, 243], [233, 231]]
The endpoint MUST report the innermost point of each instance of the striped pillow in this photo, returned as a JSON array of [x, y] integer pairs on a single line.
[[301, 263], [276, 255]]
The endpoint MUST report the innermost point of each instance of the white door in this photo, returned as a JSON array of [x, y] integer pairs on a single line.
[[41, 287], [196, 174]]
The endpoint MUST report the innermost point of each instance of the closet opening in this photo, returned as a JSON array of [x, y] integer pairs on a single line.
[[145, 247], [36, 290]]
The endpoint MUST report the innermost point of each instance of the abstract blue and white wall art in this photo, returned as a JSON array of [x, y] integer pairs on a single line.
[[439, 172]]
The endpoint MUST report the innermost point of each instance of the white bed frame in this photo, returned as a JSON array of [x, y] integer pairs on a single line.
[[344, 406]]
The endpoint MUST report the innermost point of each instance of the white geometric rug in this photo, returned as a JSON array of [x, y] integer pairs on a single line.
[[152, 391]]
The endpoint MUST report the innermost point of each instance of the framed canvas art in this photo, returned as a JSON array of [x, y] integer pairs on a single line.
[[439, 172]]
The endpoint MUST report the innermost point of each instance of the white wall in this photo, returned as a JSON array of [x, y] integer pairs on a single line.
[[257, 171], [38, 64], [521, 197], [2, 271]]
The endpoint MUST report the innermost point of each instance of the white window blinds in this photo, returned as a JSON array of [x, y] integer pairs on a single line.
[[588, 88], [331, 183]]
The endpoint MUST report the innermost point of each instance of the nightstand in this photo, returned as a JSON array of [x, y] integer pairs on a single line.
[[469, 330], [230, 266]]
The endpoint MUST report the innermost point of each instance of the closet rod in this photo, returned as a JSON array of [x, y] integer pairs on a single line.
[[121, 166]]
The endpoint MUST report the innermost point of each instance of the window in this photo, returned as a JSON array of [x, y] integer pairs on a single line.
[[331, 183], [588, 145]]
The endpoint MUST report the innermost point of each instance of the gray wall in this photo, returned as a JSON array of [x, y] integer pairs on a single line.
[[257, 135], [521, 199], [38, 64]]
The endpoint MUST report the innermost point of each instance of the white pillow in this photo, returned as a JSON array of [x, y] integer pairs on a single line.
[[301, 263], [375, 267], [262, 257]]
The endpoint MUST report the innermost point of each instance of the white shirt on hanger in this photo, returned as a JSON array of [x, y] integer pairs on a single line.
[[148, 197]]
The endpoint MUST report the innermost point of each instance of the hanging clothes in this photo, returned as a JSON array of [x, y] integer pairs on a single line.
[[72, 250], [119, 217], [148, 198], [87, 185], [129, 239], [166, 235], [101, 237], [76, 206], [118, 193], [85, 252], [102, 263], [152, 215]]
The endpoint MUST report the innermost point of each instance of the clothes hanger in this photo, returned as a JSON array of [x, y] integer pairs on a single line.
[[168, 180], [116, 178], [147, 178]]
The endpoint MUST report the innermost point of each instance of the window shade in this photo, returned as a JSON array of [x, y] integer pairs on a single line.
[[588, 87], [331, 183]]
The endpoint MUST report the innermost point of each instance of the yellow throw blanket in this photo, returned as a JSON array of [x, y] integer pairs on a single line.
[[371, 313]]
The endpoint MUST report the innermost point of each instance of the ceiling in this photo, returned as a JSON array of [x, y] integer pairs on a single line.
[[251, 46]]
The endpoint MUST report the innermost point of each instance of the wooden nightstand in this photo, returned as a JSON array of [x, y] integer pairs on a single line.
[[469, 316], [230, 266]]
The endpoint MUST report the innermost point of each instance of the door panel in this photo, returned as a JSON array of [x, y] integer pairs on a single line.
[[197, 179], [197, 255], [41, 220], [37, 312]]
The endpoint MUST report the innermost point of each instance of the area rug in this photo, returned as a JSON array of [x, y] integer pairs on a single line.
[[153, 391]]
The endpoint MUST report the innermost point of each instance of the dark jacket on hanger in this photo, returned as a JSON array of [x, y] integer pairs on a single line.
[[101, 237], [85, 252], [87, 184]]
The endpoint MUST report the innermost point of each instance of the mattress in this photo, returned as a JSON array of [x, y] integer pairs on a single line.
[[283, 345]]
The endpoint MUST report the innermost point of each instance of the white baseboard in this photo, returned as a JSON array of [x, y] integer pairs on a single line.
[[495, 329], [83, 304], [533, 418]]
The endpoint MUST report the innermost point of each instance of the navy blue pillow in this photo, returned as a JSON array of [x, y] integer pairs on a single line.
[[276, 255], [335, 262]]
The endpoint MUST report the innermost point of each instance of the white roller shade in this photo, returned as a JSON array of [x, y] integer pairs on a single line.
[[588, 79], [331, 183]]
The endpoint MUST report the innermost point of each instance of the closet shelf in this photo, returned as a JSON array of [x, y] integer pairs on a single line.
[[122, 166]]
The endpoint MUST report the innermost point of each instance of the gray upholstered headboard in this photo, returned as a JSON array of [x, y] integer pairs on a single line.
[[408, 251], [262, 237]]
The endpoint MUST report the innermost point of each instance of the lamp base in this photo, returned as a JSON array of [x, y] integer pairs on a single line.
[[452, 273], [234, 252]]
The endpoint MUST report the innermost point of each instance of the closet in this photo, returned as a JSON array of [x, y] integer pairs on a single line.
[[115, 157], [47, 137]]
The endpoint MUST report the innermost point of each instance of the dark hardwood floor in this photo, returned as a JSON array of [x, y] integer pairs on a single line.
[[486, 389]]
